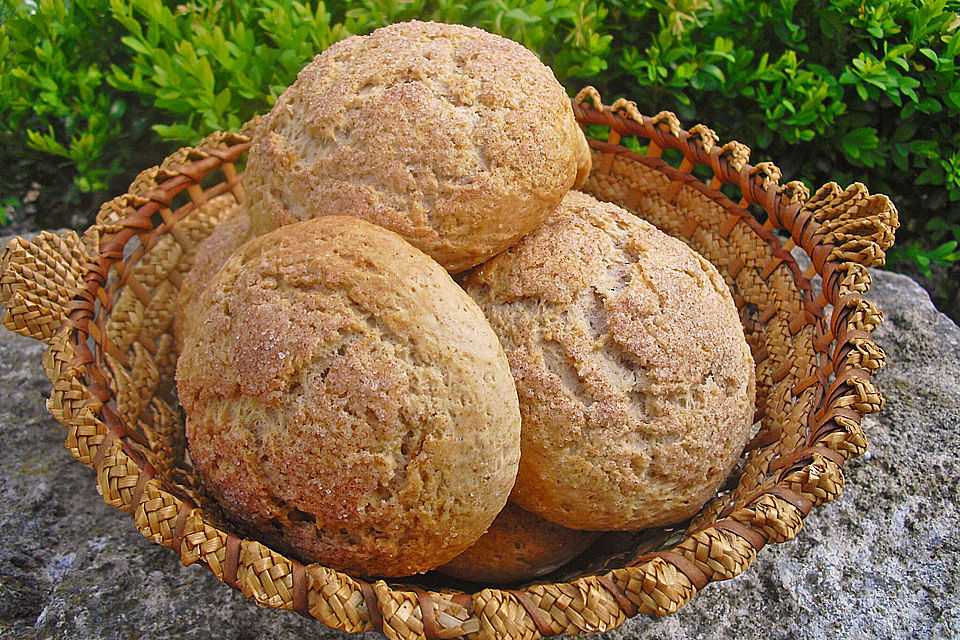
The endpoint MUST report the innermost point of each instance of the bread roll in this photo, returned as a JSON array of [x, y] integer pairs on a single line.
[[636, 384], [459, 140], [348, 401], [519, 546]]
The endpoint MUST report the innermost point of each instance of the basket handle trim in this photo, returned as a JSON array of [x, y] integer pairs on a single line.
[[427, 608], [803, 455], [841, 420], [231, 565], [618, 594], [301, 585], [753, 537], [540, 619], [792, 497], [184, 510], [697, 577], [372, 605]]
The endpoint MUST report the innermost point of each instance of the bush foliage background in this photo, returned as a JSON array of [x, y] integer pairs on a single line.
[[92, 91]]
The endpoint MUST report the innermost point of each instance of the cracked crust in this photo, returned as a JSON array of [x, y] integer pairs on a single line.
[[636, 383], [519, 546], [459, 140], [348, 400]]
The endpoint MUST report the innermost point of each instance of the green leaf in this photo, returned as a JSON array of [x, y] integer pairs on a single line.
[[943, 252], [176, 133], [930, 54], [222, 102], [932, 175], [858, 140], [930, 105], [136, 45], [905, 131], [520, 16]]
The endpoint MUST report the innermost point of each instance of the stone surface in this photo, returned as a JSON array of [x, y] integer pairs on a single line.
[[880, 562]]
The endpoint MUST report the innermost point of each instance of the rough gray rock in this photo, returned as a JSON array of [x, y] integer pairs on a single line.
[[880, 562]]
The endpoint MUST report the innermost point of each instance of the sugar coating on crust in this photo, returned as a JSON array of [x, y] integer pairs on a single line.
[[459, 140], [636, 383], [519, 546], [211, 254], [348, 400]]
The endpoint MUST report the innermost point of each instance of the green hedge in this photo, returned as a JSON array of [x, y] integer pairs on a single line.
[[92, 90]]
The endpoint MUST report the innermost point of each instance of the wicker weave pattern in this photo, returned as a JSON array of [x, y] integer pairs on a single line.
[[103, 303]]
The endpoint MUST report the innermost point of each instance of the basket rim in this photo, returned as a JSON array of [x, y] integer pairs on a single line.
[[808, 476]]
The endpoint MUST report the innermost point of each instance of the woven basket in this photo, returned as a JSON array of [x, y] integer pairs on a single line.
[[104, 303]]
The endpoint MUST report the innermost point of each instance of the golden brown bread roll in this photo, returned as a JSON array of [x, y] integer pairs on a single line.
[[519, 546], [212, 253], [459, 140], [636, 384], [348, 400]]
